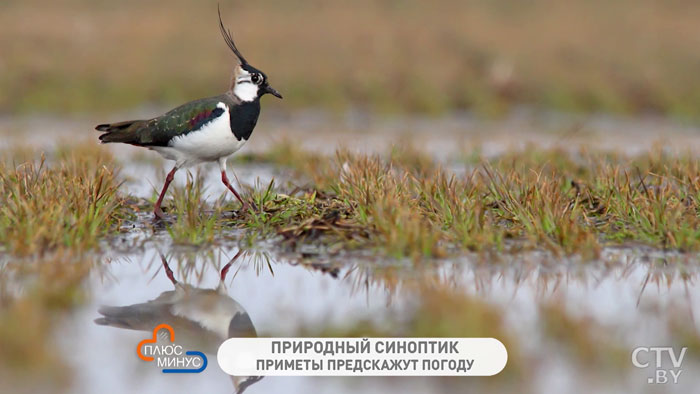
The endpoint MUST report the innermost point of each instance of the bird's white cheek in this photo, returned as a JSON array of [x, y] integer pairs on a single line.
[[246, 91]]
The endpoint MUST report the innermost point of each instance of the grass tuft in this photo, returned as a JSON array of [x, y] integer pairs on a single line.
[[196, 222], [566, 202], [71, 201]]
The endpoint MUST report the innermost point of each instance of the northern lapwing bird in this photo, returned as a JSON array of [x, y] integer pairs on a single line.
[[205, 130], [201, 318]]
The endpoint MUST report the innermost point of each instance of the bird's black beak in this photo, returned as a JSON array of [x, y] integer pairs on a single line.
[[272, 91]]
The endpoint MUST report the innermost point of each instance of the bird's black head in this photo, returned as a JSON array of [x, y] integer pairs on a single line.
[[248, 83]]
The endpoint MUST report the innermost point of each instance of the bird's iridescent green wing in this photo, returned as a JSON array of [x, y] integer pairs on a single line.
[[159, 131], [180, 121]]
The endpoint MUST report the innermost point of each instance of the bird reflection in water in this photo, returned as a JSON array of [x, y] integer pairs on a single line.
[[202, 318]]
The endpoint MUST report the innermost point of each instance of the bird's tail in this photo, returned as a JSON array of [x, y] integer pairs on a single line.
[[134, 317], [118, 132]]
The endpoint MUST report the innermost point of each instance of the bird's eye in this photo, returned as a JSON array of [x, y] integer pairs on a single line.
[[256, 78]]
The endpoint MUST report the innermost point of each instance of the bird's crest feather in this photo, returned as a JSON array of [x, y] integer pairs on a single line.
[[229, 39]]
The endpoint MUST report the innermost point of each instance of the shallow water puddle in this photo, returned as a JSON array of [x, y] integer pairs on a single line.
[[278, 304], [630, 301]]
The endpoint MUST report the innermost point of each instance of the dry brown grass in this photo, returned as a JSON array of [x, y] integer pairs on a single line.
[[411, 55]]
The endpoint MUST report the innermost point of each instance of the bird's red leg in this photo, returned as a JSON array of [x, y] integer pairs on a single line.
[[157, 211], [168, 271], [224, 270], [224, 179]]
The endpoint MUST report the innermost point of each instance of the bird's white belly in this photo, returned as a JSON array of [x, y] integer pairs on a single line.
[[210, 143]]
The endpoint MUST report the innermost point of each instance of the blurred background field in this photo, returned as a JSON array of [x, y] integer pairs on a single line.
[[486, 56]]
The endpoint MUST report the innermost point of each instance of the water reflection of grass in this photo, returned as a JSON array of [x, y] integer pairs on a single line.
[[583, 339], [444, 311], [440, 303], [441, 306], [35, 295]]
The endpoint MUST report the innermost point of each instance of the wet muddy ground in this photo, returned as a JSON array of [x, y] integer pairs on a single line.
[[569, 327]]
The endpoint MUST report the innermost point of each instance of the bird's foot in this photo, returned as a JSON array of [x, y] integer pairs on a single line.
[[247, 206], [158, 215]]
